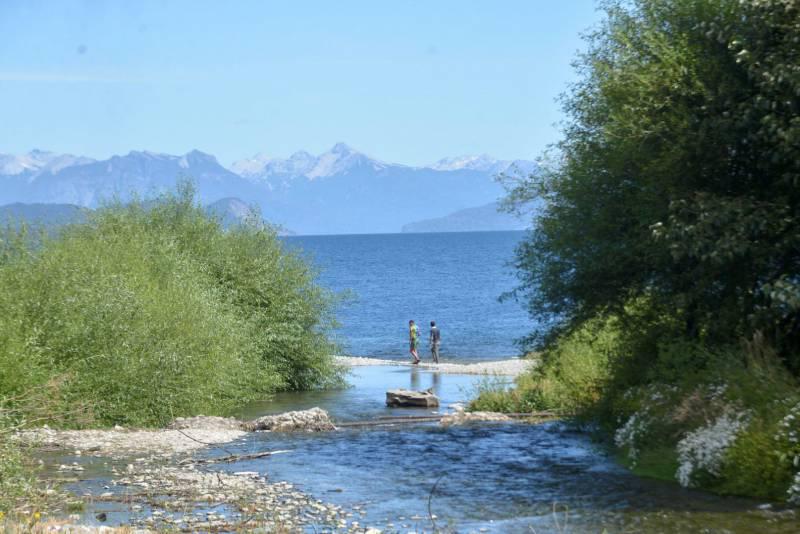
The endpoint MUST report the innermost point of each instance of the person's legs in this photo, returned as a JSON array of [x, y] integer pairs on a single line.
[[413, 352], [435, 352]]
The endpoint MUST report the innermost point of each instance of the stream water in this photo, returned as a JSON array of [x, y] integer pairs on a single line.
[[500, 477], [546, 478]]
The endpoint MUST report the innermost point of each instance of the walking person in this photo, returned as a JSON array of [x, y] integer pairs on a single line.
[[434, 339], [413, 338]]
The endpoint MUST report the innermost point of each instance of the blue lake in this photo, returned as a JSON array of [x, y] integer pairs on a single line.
[[452, 278]]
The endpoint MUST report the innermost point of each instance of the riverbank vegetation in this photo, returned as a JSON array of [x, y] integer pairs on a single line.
[[151, 310], [666, 259]]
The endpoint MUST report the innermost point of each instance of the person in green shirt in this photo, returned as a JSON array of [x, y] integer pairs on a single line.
[[413, 338]]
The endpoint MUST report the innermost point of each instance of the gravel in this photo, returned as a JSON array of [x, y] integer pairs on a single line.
[[130, 442], [510, 367]]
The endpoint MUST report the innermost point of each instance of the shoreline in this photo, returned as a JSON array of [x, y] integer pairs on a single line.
[[511, 367]]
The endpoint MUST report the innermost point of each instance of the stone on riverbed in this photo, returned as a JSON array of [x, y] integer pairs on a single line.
[[313, 420], [460, 417], [205, 422], [409, 398]]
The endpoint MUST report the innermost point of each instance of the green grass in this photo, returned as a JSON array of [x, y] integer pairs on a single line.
[[656, 462], [571, 376]]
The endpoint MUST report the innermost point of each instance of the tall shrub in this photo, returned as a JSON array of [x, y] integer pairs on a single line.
[[152, 310]]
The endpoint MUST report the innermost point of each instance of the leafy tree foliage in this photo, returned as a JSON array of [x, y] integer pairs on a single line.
[[678, 179]]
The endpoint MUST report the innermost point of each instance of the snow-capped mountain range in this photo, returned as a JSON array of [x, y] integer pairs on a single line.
[[339, 191]]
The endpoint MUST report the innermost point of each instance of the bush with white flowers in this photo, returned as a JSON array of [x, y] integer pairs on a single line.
[[628, 435], [789, 437], [703, 450]]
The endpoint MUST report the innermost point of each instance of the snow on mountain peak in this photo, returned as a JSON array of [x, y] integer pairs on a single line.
[[251, 166], [342, 148], [342, 158], [37, 161], [482, 162]]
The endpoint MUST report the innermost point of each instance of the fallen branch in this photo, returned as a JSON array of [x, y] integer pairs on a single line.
[[229, 459], [430, 499]]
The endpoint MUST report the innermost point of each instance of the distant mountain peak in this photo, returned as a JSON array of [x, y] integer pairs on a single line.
[[339, 159], [342, 158], [477, 219], [301, 155], [480, 162], [37, 161], [198, 156], [484, 163], [342, 149]]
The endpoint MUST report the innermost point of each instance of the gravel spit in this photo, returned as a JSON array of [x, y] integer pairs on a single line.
[[510, 367]]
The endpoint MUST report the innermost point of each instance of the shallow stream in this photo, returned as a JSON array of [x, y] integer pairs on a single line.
[[501, 478], [482, 478]]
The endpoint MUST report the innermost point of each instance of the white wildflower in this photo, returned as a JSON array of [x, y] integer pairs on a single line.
[[704, 448], [788, 434], [716, 392], [627, 436], [794, 490]]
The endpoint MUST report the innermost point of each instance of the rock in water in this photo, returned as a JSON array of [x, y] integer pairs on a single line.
[[460, 417], [408, 398], [313, 420]]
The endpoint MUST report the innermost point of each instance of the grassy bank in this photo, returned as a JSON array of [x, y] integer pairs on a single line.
[[725, 419]]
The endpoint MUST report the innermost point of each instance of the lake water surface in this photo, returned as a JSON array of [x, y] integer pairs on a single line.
[[452, 278]]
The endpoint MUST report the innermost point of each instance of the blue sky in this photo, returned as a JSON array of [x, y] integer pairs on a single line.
[[406, 82]]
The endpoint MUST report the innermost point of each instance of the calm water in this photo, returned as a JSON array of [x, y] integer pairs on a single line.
[[453, 278]]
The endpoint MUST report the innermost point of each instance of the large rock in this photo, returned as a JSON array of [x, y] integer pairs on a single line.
[[313, 420], [409, 398]]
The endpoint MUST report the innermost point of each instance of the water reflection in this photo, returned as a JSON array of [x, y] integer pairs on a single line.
[[366, 399], [414, 378]]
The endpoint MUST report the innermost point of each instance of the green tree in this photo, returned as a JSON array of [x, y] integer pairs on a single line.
[[678, 177]]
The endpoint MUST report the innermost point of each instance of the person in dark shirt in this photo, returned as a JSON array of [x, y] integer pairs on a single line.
[[435, 339]]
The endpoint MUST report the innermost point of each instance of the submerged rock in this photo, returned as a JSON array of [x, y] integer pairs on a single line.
[[313, 420], [409, 398], [460, 417]]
